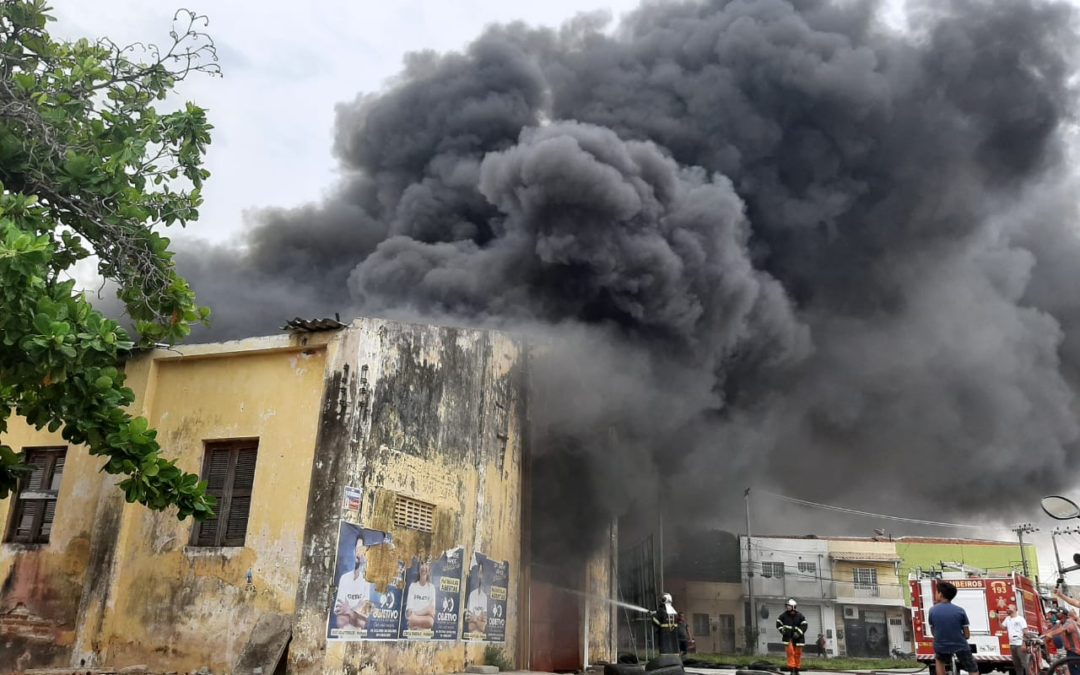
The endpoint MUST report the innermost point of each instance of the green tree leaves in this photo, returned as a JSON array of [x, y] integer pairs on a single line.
[[89, 167]]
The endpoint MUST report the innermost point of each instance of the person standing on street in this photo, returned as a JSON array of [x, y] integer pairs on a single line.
[[1069, 631], [683, 633], [951, 628], [1015, 625], [792, 626], [665, 620]]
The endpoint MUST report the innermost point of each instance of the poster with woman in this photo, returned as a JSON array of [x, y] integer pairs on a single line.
[[485, 603], [433, 597]]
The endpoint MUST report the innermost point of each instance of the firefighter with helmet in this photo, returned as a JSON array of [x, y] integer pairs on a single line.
[[792, 626], [665, 620]]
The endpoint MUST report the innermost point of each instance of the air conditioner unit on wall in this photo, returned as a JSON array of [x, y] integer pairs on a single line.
[[851, 613]]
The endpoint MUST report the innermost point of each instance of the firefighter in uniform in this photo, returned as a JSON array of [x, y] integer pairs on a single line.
[[792, 626], [665, 620]]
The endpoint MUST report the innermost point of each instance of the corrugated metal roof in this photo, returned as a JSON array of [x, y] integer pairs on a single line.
[[312, 325]]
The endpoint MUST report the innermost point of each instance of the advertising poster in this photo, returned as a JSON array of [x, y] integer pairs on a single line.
[[359, 611], [433, 597], [485, 603], [350, 504]]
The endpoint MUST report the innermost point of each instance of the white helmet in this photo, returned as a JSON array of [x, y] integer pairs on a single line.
[[666, 597], [791, 603]]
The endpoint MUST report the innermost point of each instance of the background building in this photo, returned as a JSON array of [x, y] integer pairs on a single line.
[[789, 567], [705, 579], [870, 611], [930, 553]]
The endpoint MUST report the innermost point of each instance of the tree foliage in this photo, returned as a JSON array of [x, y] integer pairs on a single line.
[[89, 169]]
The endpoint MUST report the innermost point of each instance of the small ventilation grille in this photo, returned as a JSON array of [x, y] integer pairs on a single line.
[[412, 514]]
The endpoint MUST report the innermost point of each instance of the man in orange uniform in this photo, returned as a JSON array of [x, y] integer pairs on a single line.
[[792, 626]]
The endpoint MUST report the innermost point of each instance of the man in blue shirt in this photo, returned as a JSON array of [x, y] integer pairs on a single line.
[[950, 626]]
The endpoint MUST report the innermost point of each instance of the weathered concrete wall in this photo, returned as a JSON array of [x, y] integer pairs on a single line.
[[41, 584], [430, 413], [196, 597], [119, 581], [601, 587], [436, 414]]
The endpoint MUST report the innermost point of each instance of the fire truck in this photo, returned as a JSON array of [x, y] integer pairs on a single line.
[[985, 598]]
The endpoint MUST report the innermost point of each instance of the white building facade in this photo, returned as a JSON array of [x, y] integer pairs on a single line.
[[789, 567]]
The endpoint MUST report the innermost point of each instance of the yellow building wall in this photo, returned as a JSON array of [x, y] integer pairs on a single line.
[[128, 586], [437, 414], [889, 586], [42, 583], [714, 599], [198, 595]]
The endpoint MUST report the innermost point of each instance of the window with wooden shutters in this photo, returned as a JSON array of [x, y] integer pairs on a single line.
[[35, 504], [229, 472]]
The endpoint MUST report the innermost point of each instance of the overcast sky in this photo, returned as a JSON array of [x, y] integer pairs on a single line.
[[285, 67]]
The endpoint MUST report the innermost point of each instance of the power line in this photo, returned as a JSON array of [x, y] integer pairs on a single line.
[[868, 514]]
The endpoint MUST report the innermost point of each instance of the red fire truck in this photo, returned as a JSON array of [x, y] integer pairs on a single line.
[[985, 599]]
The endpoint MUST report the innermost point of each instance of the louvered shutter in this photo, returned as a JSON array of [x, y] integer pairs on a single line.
[[47, 518], [240, 499], [57, 474], [25, 520], [35, 506], [39, 463], [217, 476], [229, 471]]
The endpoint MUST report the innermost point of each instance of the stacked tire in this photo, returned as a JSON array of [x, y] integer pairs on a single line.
[[665, 664]]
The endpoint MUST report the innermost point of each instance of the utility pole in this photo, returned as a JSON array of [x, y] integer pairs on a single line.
[[660, 527], [1057, 556], [1021, 530], [750, 579]]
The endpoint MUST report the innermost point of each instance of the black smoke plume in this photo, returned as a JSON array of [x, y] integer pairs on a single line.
[[760, 242]]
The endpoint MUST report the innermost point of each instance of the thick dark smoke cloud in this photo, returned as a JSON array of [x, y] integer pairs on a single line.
[[764, 242]]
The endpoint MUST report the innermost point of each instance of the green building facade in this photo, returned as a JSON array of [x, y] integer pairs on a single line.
[[992, 556]]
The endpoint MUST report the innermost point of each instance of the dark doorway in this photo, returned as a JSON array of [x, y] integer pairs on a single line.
[[554, 629]]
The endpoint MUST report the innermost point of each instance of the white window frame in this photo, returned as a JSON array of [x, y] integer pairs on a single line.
[[808, 568], [865, 578], [772, 570]]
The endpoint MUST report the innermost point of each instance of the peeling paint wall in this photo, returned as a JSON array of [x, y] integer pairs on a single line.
[[429, 413], [120, 582], [41, 584], [197, 596], [600, 586]]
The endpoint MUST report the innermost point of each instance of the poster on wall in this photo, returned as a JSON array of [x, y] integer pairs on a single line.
[[350, 504], [485, 600], [360, 611], [433, 597]]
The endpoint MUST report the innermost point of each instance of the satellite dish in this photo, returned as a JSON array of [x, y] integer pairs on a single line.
[[1060, 508]]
